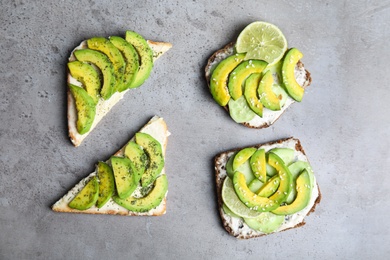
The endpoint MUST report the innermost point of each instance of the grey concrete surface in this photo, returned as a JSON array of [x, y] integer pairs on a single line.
[[343, 124]]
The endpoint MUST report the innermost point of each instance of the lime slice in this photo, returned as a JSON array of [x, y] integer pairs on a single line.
[[262, 41], [232, 201]]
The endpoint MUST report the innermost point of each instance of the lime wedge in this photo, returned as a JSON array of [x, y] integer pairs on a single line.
[[262, 41], [233, 203]]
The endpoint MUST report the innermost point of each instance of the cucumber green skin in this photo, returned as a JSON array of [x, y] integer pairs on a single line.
[[106, 183], [150, 201], [101, 61], [88, 76], [250, 93], [303, 188], [87, 197], [219, 78], [290, 83], [153, 149], [238, 76], [145, 54], [124, 174], [250, 199], [86, 109], [139, 158], [284, 188], [105, 46], [131, 58]]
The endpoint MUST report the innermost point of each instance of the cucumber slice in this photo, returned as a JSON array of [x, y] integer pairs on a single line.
[[255, 185], [240, 111], [266, 222]]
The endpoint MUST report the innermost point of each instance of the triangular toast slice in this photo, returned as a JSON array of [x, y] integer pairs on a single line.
[[157, 129], [102, 106]]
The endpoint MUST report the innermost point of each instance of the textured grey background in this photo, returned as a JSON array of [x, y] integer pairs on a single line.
[[343, 124]]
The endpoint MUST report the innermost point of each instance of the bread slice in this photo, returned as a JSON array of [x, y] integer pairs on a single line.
[[157, 128], [302, 75], [103, 106], [236, 226]]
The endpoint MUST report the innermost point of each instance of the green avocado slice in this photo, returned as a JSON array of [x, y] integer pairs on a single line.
[[87, 197], [137, 155], [241, 73], [250, 199], [106, 183], [124, 173], [131, 58], [258, 165], [88, 76], [219, 78], [284, 174], [85, 107], [242, 156], [104, 64], [153, 149], [250, 93], [267, 97], [150, 201], [145, 54], [269, 187], [302, 199], [105, 46], [288, 77]]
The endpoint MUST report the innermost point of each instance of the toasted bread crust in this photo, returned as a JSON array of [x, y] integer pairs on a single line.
[[219, 182], [159, 48], [62, 204], [228, 50]]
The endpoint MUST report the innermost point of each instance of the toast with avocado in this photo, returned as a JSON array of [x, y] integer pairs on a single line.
[[100, 72], [257, 77], [132, 182], [265, 188]]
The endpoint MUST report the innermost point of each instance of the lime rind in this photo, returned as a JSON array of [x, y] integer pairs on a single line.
[[232, 201], [262, 41]]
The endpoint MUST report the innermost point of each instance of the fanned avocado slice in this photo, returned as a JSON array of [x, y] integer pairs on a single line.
[[137, 155], [241, 73], [106, 183], [87, 197], [153, 149], [150, 201], [219, 78], [85, 106], [124, 174], [303, 188], [104, 64], [258, 165], [284, 174], [88, 76], [250, 93], [267, 97], [291, 59], [145, 54], [250, 199], [131, 58], [105, 46]]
